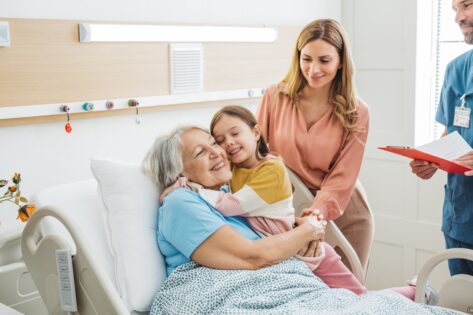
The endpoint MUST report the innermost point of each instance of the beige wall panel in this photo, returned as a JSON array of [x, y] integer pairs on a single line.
[[248, 65], [46, 64]]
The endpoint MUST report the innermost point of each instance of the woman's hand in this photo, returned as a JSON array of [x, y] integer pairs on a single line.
[[315, 212], [312, 249], [317, 225], [181, 182], [466, 160], [423, 169]]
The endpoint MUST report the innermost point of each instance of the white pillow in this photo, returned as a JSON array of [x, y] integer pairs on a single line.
[[131, 202]]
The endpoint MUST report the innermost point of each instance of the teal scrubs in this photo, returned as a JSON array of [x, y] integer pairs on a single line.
[[457, 224]]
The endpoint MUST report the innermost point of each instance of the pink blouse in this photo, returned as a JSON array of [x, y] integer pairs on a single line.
[[325, 158]]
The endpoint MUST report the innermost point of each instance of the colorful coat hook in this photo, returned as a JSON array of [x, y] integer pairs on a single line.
[[66, 109], [88, 107], [135, 103], [109, 105]]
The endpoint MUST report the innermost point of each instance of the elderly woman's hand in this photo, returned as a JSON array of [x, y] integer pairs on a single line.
[[312, 249]]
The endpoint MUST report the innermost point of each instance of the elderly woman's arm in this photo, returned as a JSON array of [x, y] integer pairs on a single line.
[[227, 249], [193, 228]]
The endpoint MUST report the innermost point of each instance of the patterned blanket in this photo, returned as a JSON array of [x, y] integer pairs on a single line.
[[285, 288]]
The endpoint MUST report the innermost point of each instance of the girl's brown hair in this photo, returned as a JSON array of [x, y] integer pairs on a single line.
[[342, 92], [248, 118]]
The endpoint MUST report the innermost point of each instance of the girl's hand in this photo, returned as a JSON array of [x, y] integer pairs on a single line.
[[181, 182]]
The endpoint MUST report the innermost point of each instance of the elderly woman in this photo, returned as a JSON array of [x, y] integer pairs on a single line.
[[190, 229]]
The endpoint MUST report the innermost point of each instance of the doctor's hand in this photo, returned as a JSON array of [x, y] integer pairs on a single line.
[[466, 160], [423, 169]]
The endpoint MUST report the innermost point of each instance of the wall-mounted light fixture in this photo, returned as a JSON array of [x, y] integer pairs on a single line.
[[4, 34], [173, 33]]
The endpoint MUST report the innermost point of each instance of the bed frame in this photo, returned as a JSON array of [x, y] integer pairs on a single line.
[[96, 293], [457, 291], [303, 198]]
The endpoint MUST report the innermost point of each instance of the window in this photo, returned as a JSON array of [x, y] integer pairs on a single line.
[[448, 45]]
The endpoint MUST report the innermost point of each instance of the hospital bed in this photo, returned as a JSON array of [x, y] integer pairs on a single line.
[[71, 217]]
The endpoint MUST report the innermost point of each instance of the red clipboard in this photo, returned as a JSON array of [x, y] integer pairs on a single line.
[[446, 165]]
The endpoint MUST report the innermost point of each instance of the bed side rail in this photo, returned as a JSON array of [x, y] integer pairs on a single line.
[[94, 290], [457, 292], [303, 198]]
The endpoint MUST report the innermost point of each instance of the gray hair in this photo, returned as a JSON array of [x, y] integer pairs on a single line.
[[163, 162]]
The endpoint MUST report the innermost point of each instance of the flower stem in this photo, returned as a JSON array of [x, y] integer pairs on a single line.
[[9, 200]]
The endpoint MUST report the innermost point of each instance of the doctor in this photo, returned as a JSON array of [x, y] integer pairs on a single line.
[[454, 112]]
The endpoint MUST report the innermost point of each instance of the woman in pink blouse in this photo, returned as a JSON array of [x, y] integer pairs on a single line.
[[314, 120]]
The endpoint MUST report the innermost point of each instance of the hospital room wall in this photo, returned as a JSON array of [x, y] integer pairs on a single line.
[[407, 210], [46, 155]]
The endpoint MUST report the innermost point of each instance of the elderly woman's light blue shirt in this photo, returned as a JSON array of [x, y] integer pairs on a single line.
[[185, 221]]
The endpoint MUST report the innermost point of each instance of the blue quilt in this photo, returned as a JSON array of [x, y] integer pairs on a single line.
[[285, 288]]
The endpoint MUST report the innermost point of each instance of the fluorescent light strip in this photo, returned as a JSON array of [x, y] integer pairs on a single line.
[[169, 33], [149, 101], [4, 34]]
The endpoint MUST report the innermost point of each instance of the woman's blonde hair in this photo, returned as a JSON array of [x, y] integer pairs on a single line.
[[342, 92]]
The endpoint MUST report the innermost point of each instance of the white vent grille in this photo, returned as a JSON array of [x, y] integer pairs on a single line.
[[186, 68]]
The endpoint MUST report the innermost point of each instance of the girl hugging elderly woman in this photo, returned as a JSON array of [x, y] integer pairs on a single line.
[[217, 227], [262, 193]]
